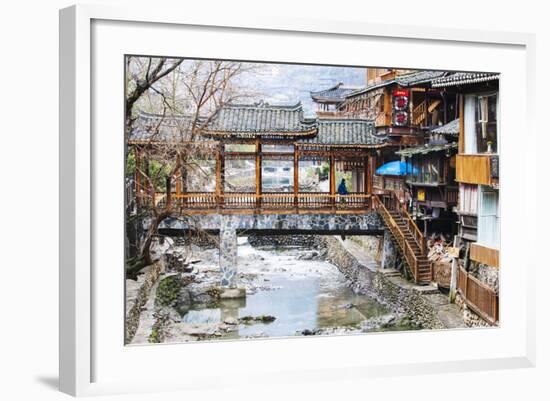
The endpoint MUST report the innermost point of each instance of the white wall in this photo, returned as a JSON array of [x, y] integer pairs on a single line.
[[28, 154]]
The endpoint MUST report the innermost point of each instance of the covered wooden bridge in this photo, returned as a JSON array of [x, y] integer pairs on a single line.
[[260, 159]]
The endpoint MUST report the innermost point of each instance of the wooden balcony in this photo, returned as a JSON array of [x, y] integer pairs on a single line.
[[475, 169]]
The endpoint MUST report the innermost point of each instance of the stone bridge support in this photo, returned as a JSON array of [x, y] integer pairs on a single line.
[[389, 252], [228, 252]]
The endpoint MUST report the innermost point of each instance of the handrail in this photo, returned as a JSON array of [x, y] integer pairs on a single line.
[[266, 200], [413, 228]]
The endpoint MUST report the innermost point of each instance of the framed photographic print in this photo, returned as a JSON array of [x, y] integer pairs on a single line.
[[284, 199]]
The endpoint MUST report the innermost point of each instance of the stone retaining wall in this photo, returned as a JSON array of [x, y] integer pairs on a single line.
[[420, 304], [309, 241], [134, 306]]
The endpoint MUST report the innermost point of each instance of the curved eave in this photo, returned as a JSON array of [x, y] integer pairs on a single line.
[[261, 134]]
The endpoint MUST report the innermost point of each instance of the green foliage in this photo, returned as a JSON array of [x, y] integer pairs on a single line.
[[167, 291]]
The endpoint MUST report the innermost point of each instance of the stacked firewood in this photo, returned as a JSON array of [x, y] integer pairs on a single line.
[[438, 249]]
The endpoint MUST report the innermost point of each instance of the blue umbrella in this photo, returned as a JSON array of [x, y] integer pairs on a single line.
[[396, 168]]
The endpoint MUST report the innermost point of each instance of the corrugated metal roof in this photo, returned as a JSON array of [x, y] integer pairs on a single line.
[[425, 149], [451, 128]]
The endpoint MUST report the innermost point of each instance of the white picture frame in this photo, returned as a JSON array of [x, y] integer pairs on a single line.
[[88, 365]]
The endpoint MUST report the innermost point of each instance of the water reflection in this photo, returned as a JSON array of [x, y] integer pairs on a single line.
[[301, 294]]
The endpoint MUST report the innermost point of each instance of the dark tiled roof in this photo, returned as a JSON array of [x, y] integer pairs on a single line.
[[156, 128], [260, 119], [464, 78], [418, 78], [371, 87], [266, 121], [355, 132], [425, 149], [451, 128], [335, 94]]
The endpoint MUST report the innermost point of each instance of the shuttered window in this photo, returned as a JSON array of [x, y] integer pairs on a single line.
[[468, 198], [488, 231]]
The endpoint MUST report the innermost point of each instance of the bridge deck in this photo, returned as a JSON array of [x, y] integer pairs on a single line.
[[270, 203]]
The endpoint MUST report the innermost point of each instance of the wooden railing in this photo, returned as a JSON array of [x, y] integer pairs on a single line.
[[392, 202], [384, 206], [419, 114], [267, 201], [478, 296]]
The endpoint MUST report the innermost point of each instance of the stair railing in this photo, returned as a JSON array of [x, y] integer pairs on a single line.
[[398, 234]]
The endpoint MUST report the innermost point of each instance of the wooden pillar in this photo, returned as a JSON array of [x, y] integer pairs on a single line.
[[258, 174], [219, 174], [369, 167], [137, 177], [332, 180], [454, 267], [168, 192], [461, 124], [296, 169]]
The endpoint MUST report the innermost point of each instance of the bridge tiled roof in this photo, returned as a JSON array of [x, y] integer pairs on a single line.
[[260, 119], [155, 128], [354, 132]]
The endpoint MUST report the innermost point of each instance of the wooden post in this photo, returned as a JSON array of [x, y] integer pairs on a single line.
[[296, 186], [454, 267], [168, 192], [218, 176], [332, 181], [258, 175], [137, 177], [461, 124]]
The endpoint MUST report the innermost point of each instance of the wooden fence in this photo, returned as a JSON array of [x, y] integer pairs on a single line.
[[478, 296]]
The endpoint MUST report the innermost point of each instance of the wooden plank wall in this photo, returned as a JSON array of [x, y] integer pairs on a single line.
[[473, 169], [482, 254]]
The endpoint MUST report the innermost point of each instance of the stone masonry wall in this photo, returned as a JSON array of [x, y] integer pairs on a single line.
[[134, 306], [420, 306]]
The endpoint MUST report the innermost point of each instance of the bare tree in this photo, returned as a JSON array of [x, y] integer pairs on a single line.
[[184, 100]]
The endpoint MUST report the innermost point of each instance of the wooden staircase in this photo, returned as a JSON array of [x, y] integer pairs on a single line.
[[405, 232]]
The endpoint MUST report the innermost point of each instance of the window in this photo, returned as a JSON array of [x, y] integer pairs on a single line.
[[468, 198], [277, 175], [240, 175], [313, 175], [278, 148], [488, 231], [201, 175], [426, 170], [480, 123], [240, 147]]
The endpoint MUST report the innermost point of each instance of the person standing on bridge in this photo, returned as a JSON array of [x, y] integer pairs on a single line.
[[342, 190]]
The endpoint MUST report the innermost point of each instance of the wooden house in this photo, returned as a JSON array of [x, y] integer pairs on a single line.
[[477, 163]]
